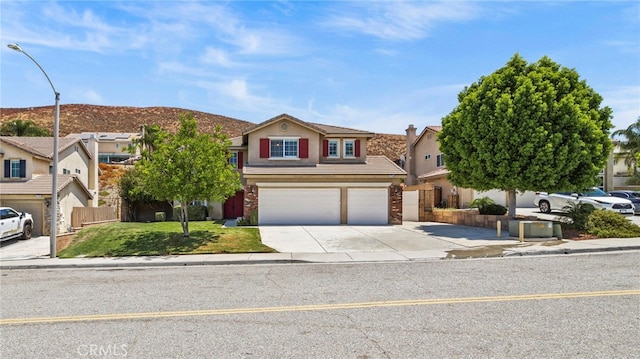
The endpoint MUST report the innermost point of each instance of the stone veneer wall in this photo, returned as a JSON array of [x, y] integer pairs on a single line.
[[395, 198], [467, 217], [250, 202]]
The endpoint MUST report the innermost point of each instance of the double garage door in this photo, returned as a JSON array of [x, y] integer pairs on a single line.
[[322, 205]]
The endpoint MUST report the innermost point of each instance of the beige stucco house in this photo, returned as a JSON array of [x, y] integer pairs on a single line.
[[113, 147], [296, 172], [25, 180], [424, 163]]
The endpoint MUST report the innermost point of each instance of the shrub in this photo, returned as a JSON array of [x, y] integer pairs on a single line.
[[195, 213], [608, 224], [486, 205], [493, 209], [576, 215]]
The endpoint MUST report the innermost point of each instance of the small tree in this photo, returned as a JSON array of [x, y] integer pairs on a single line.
[[26, 128], [527, 127], [189, 166]]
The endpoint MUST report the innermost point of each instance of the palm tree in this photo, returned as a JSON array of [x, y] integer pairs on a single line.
[[631, 145], [23, 128]]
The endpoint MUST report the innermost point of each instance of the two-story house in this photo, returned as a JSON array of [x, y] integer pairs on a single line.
[[296, 172], [26, 178], [113, 147]]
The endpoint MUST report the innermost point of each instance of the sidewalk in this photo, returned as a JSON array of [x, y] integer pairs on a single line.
[[334, 244]]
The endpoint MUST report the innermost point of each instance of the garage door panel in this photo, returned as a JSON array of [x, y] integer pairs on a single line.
[[367, 206], [299, 206]]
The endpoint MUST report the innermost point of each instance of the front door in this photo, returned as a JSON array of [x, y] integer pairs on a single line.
[[234, 206]]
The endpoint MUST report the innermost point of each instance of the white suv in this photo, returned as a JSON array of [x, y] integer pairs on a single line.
[[548, 202], [14, 224]]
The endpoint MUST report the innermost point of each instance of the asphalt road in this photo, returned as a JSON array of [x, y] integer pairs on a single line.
[[579, 306]]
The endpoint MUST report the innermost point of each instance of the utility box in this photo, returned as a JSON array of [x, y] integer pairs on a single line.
[[532, 229]]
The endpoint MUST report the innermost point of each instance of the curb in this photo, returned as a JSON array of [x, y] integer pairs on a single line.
[[188, 263]]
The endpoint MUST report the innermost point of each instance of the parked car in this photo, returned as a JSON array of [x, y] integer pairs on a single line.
[[596, 197], [14, 224], [632, 196]]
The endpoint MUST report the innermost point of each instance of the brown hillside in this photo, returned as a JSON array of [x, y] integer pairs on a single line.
[[93, 118]]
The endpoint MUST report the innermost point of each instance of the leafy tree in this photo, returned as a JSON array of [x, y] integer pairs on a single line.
[[26, 128], [132, 190], [631, 145], [189, 166], [527, 127]]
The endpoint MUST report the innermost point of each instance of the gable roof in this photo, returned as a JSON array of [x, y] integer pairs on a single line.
[[434, 129], [41, 185], [320, 128], [42, 146]]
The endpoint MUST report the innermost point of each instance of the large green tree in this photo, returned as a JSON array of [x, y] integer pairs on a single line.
[[189, 166], [630, 146], [23, 128], [534, 126]]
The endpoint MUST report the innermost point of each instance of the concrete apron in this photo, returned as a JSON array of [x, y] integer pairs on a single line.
[[409, 237]]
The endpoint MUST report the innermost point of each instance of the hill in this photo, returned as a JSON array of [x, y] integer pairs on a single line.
[[76, 118]]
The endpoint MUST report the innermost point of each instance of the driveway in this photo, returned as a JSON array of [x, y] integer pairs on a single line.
[[408, 237]]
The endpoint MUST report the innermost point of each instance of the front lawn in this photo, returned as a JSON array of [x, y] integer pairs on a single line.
[[162, 238]]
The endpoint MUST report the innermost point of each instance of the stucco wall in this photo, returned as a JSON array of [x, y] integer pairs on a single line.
[[274, 130]]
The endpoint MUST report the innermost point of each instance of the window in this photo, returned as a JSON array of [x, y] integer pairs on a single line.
[[66, 171], [15, 168], [349, 148], [233, 160], [333, 149], [427, 157], [77, 171], [283, 148], [440, 160]]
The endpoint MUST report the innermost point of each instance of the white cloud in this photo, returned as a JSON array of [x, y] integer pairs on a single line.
[[400, 20], [625, 103], [216, 56], [92, 97]]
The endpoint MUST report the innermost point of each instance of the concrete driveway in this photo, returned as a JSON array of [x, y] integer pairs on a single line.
[[408, 237]]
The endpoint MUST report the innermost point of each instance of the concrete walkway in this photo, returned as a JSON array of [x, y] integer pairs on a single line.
[[411, 241]]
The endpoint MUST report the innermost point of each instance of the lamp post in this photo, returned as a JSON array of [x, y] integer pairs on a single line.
[[54, 177]]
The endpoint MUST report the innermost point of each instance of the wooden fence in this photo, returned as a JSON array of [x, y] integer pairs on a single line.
[[83, 216]]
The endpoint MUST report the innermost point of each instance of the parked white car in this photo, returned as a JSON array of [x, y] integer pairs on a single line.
[[548, 202], [14, 224]]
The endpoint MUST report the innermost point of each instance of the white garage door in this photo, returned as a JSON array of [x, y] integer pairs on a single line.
[[368, 206], [299, 206]]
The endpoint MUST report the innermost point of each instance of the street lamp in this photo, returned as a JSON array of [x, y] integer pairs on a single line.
[[54, 179]]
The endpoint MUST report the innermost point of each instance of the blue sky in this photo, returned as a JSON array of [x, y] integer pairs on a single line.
[[370, 65]]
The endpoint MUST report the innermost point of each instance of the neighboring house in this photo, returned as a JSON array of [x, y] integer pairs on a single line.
[[617, 173], [425, 163], [25, 180], [295, 172], [113, 147]]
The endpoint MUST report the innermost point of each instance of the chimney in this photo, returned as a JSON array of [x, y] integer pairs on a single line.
[[409, 164]]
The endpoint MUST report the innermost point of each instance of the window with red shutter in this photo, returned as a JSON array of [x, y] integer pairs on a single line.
[[325, 148], [357, 148], [303, 146], [264, 148]]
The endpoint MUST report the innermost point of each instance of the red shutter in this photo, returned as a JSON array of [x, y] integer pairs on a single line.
[[303, 148], [357, 146], [240, 160], [325, 148], [264, 148]]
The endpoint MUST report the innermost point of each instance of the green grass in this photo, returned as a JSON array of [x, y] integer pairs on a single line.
[[162, 238]]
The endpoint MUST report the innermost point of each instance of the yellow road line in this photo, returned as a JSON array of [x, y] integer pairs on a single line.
[[295, 308]]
